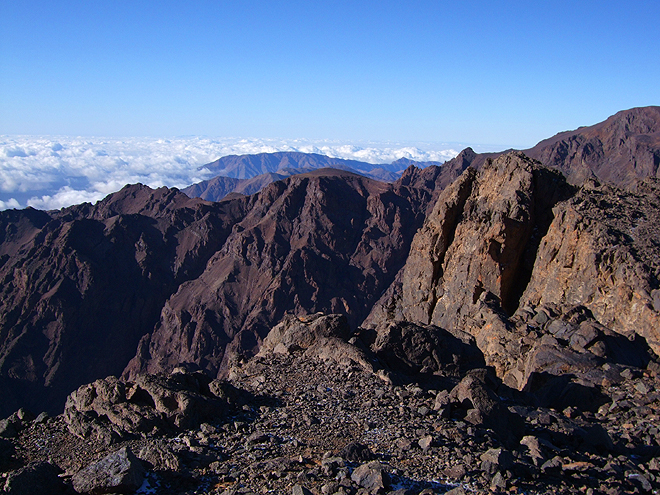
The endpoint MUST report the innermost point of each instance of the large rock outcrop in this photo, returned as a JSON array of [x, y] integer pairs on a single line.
[[546, 278], [109, 409], [601, 252], [481, 237]]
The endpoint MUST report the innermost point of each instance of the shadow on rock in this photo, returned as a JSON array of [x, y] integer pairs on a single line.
[[559, 392]]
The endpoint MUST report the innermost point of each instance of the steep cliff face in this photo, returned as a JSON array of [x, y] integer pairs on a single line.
[[548, 279], [481, 236], [81, 286], [602, 252], [328, 241]]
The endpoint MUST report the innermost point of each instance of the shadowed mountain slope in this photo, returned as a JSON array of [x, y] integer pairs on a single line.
[[82, 286], [327, 241]]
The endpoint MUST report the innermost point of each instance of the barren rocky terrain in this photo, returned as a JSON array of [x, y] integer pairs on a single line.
[[491, 325]]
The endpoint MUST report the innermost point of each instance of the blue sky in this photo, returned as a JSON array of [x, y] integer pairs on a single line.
[[509, 72]]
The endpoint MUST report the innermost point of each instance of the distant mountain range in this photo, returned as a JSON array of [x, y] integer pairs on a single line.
[[620, 150], [247, 174]]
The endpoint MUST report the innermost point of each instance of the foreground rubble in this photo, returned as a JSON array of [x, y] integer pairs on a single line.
[[326, 415]]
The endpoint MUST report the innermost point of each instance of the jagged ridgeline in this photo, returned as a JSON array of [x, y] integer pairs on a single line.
[[531, 276]]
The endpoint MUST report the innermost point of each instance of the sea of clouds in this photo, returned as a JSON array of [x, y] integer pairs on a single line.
[[55, 172]]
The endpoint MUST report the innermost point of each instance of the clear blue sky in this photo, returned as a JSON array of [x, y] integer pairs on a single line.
[[489, 72]]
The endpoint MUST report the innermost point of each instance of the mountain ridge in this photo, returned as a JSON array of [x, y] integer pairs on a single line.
[[57, 267], [247, 174]]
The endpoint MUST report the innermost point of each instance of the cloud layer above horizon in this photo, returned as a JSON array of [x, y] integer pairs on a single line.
[[54, 172]]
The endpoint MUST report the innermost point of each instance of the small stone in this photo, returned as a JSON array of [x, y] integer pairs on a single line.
[[498, 482], [356, 452], [257, 437], [426, 442], [42, 418], [25, 415], [442, 400], [329, 488], [456, 471], [533, 448], [403, 444], [500, 457], [330, 465], [41, 478], [459, 490], [552, 465], [541, 318], [640, 480], [627, 374], [642, 388]]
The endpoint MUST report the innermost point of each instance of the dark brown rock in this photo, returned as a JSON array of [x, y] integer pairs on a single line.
[[357, 452], [327, 241], [80, 286], [111, 408], [474, 394], [34, 478], [411, 349], [372, 476]]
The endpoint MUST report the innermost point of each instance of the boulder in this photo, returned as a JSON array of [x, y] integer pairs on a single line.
[[41, 478], [119, 472], [372, 476], [110, 408], [484, 408], [410, 349], [356, 452]]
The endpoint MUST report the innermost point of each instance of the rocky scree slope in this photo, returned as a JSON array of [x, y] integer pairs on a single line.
[[322, 411]]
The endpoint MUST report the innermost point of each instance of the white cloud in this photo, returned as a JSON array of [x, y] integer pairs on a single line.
[[54, 172], [10, 203], [65, 197]]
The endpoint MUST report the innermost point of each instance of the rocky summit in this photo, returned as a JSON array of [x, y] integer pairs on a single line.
[[491, 325]]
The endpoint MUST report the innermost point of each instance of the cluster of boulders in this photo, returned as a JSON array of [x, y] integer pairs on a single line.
[[320, 412], [109, 409]]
